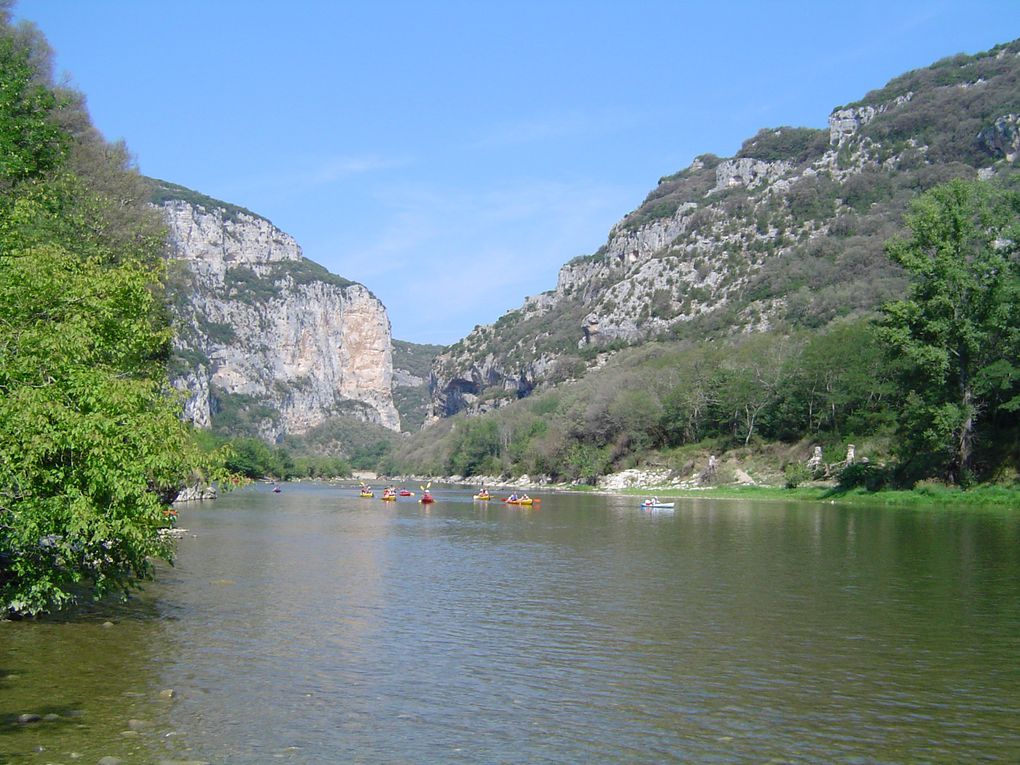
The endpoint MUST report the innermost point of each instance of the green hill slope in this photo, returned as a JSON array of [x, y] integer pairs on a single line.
[[786, 235]]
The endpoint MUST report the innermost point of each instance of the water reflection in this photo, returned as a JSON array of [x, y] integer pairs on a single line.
[[313, 626]]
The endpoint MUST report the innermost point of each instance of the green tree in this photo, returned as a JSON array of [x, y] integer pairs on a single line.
[[751, 379], [688, 405], [958, 330], [840, 384], [252, 458], [92, 448], [476, 447], [586, 462], [30, 143], [91, 442], [637, 415]]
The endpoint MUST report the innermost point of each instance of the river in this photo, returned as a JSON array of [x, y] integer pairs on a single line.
[[314, 626]]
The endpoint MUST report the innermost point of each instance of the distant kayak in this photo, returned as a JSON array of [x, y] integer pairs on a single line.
[[367, 494], [528, 501], [482, 497], [657, 505], [389, 498], [427, 500], [406, 493]]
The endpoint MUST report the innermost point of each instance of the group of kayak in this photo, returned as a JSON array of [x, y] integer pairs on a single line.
[[389, 493], [513, 499]]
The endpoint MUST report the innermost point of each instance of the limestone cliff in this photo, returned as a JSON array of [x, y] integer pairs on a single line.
[[788, 233], [268, 342]]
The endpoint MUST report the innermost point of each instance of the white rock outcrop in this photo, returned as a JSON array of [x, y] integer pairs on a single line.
[[749, 173], [272, 326], [844, 123]]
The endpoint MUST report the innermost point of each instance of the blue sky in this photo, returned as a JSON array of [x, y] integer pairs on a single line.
[[451, 156]]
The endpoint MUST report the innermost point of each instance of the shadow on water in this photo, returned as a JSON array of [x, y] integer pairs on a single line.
[[138, 606], [17, 722], [85, 683], [53, 715]]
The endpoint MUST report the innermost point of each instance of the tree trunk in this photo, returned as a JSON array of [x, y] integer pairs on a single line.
[[965, 438]]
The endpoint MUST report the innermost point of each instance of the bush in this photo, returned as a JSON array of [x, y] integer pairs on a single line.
[[790, 143], [795, 474], [865, 475]]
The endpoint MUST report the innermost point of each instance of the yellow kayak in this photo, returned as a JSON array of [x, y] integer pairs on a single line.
[[366, 494], [389, 497], [482, 497]]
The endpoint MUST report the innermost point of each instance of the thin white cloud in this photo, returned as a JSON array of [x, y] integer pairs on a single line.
[[531, 131], [331, 170], [310, 174], [474, 255], [555, 127]]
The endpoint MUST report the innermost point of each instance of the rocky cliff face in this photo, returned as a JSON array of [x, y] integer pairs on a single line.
[[790, 232], [268, 340]]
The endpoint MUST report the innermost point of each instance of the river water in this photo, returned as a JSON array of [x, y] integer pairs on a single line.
[[313, 626]]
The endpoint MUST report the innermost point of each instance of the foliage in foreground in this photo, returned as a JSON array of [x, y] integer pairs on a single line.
[[92, 449]]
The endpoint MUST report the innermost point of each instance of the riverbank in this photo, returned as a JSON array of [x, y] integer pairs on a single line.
[[660, 484], [981, 496]]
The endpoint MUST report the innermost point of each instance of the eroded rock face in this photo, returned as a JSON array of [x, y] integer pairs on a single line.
[[749, 173], [263, 328], [844, 123], [1002, 138]]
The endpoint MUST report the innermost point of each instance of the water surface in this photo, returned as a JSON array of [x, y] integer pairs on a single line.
[[317, 627]]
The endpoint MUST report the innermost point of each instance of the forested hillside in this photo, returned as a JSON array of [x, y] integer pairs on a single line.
[[789, 234], [752, 301]]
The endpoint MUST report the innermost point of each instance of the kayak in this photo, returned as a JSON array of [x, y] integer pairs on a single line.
[[406, 493], [528, 501], [366, 494], [389, 497], [482, 497], [427, 500], [658, 505]]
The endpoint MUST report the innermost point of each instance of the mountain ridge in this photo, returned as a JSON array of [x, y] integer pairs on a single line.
[[788, 232]]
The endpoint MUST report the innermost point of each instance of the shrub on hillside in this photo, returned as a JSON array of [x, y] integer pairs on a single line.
[[864, 475]]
